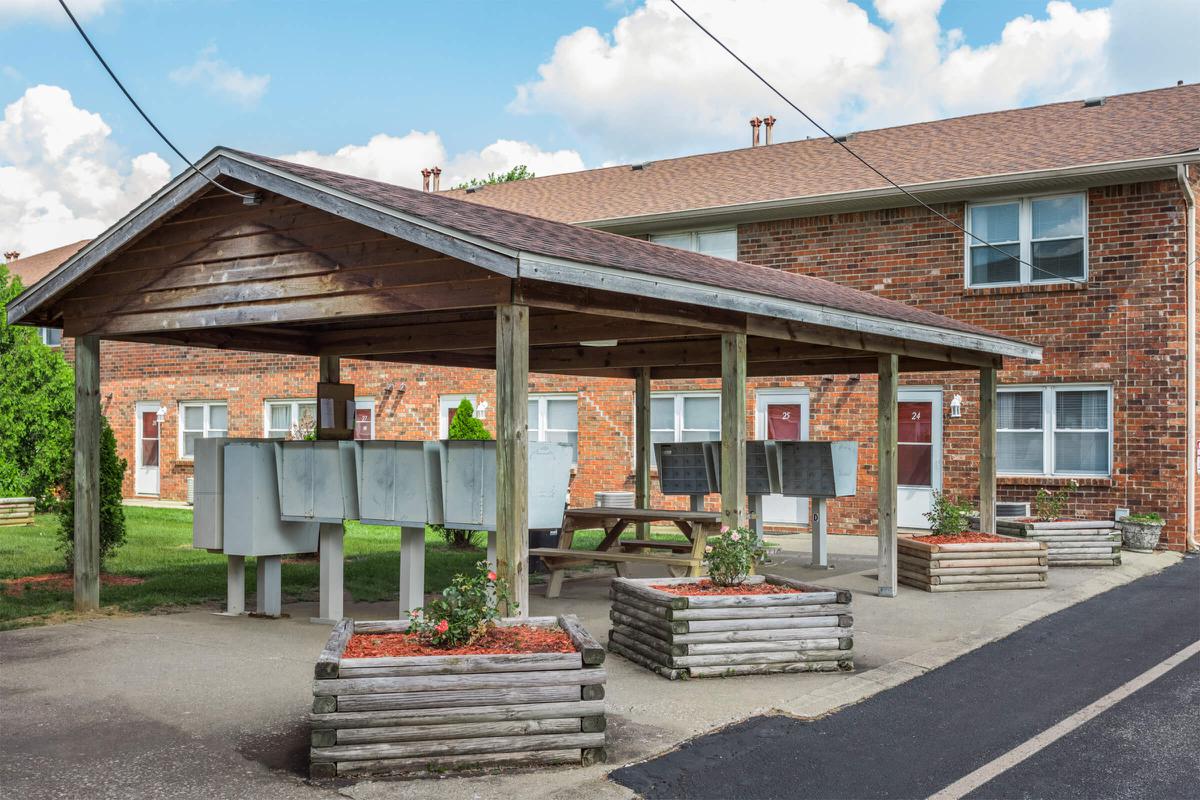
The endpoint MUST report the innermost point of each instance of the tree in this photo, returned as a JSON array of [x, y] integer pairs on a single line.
[[518, 173], [464, 426], [112, 512], [37, 408]]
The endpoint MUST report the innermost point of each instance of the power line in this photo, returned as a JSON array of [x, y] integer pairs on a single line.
[[862, 160], [250, 199]]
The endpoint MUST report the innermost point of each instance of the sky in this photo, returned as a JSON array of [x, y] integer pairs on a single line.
[[382, 89]]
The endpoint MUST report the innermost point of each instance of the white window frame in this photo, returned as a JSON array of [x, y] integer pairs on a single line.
[[44, 337], [1025, 238], [447, 402], [208, 429], [1050, 426], [295, 412], [695, 233], [361, 403], [678, 397], [539, 434]]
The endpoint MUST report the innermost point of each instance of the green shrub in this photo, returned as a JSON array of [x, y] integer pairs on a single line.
[[464, 426], [1149, 518], [1048, 506], [948, 517], [112, 513], [730, 555], [464, 611]]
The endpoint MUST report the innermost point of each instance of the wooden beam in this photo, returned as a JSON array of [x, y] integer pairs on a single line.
[[584, 300], [864, 365], [87, 473], [987, 450], [512, 453], [871, 343], [733, 429], [888, 468], [641, 445]]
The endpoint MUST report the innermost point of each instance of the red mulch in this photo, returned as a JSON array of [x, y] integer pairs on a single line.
[[961, 538], [62, 582], [519, 639], [708, 587]]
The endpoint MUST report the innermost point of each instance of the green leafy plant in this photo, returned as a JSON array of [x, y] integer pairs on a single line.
[[467, 607], [112, 512], [948, 517], [1048, 506], [518, 173], [1149, 518], [731, 555], [464, 426]]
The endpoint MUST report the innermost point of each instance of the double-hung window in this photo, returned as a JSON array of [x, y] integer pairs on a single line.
[[285, 419], [685, 417], [200, 420], [1054, 430], [555, 418], [51, 337], [721, 243], [1028, 240]]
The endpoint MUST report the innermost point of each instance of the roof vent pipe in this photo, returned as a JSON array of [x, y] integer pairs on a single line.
[[425, 173], [1092, 102], [769, 124], [755, 124], [437, 178]]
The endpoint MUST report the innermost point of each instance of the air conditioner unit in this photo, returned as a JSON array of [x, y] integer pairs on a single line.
[[1012, 509]]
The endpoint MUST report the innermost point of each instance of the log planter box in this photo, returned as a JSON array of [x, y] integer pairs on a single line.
[[709, 636], [16, 511], [1011, 563], [1072, 543], [432, 714]]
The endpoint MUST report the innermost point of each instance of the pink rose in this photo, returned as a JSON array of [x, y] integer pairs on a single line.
[[708, 548], [491, 575], [416, 612], [442, 626], [724, 529], [735, 536]]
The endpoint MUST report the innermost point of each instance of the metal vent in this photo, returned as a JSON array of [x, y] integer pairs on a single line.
[[845, 137], [1092, 102], [1012, 509], [639, 167]]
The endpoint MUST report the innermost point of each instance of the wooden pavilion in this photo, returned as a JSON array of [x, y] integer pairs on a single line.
[[328, 265]]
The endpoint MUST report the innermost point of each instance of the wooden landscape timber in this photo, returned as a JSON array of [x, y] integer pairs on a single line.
[[972, 566], [427, 714], [1072, 543], [699, 636], [16, 511]]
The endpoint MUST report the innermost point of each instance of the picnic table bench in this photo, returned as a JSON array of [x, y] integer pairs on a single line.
[[680, 558]]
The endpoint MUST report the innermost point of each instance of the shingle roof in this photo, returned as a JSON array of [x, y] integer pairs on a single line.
[[1126, 127], [32, 269], [536, 236]]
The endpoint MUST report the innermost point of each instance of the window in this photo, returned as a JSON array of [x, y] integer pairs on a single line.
[[364, 418], [719, 243], [1049, 233], [555, 418], [685, 418], [280, 416], [1054, 430], [201, 420], [51, 337]]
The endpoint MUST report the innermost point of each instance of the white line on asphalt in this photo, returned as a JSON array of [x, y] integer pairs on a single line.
[[972, 781]]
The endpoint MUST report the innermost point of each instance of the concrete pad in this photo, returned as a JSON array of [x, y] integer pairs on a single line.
[[194, 704]]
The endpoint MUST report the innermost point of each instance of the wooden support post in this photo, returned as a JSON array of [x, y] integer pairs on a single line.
[[235, 585], [412, 570], [512, 453], [332, 534], [87, 473], [987, 449], [641, 446], [733, 429], [889, 373], [269, 586]]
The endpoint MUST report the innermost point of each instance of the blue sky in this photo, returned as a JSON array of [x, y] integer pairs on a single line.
[[565, 84]]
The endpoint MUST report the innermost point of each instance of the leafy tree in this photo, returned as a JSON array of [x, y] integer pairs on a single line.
[[37, 407], [464, 426], [112, 512], [518, 173]]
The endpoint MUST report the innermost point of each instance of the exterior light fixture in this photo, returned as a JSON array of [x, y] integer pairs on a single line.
[[956, 406], [161, 414], [599, 343], [481, 410]]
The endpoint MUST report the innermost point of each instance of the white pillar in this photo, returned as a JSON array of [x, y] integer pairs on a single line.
[[332, 581], [270, 586], [412, 569], [235, 585], [818, 520]]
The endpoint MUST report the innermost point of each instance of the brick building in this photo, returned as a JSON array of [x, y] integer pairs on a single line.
[[1097, 196]]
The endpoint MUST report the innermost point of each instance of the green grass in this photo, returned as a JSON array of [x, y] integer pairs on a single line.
[[158, 549]]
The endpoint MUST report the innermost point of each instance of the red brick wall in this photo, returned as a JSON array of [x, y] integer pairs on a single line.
[[1125, 328]]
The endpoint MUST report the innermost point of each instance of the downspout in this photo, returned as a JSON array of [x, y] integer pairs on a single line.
[[1181, 172]]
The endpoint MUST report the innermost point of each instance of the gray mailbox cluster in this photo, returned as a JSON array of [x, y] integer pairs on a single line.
[[818, 469], [763, 466], [316, 481], [694, 468], [469, 484], [399, 483]]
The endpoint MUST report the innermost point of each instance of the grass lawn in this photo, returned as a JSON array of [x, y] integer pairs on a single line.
[[158, 549]]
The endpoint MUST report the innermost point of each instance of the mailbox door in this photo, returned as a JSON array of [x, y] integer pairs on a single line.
[[469, 484], [294, 470], [549, 478]]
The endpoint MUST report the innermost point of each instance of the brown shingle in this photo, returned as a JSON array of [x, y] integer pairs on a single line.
[[35, 267], [1131, 126]]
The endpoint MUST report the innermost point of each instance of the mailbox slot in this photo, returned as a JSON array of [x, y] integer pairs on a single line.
[[763, 466], [684, 468], [818, 469]]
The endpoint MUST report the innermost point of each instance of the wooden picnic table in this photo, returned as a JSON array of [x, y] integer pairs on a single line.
[[680, 558]]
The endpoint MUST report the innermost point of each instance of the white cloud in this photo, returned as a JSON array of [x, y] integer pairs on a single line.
[[63, 178], [400, 159], [222, 79], [47, 10], [657, 85]]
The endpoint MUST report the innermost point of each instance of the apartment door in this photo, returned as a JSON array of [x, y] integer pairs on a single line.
[[782, 416], [145, 473], [919, 455]]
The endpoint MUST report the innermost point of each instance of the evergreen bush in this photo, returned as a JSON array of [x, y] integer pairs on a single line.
[[112, 512]]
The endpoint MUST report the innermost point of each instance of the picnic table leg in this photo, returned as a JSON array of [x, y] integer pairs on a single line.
[[554, 587], [699, 537]]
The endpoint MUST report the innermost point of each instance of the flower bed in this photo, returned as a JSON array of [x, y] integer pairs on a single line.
[[482, 707], [1071, 542], [799, 628], [944, 564]]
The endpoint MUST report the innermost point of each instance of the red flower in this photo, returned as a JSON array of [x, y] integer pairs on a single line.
[[491, 575], [442, 626]]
